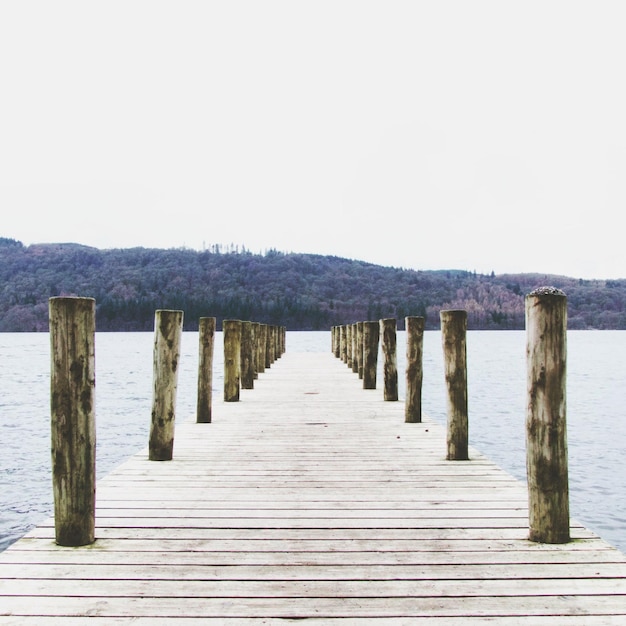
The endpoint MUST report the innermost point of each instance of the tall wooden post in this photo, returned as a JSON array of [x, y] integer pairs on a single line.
[[281, 340], [371, 333], [359, 348], [206, 337], [343, 346], [272, 343], [268, 347], [262, 347], [355, 355], [255, 349], [546, 428], [247, 367], [232, 359], [168, 328], [73, 421], [414, 372], [390, 358], [453, 334], [349, 345]]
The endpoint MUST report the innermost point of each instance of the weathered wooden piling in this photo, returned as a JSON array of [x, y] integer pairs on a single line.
[[355, 355], [453, 335], [371, 333], [168, 328], [232, 359], [390, 358], [546, 428], [269, 353], [349, 345], [206, 340], [73, 422], [247, 366], [343, 345], [359, 348], [414, 369], [283, 339], [262, 347], [255, 349]]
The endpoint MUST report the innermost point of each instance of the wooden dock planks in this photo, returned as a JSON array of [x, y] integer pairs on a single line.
[[311, 499]]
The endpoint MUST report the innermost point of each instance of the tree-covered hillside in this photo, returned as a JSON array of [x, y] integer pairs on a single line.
[[300, 291]]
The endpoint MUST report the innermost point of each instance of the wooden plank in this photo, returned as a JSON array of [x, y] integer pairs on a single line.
[[287, 608], [164, 569], [312, 498], [512, 620]]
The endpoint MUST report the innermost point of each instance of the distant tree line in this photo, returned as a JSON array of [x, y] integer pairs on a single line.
[[299, 291]]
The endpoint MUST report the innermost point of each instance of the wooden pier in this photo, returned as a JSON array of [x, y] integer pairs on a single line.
[[311, 498]]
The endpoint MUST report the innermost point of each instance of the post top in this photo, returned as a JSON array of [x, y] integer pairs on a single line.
[[547, 291]]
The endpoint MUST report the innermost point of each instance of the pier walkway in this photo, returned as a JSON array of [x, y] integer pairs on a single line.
[[311, 499]]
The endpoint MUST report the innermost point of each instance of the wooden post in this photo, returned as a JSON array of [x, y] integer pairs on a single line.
[[453, 334], [546, 428], [343, 346], [232, 359], [359, 348], [206, 336], [355, 355], [262, 347], [371, 333], [390, 359], [268, 347], [349, 345], [73, 422], [168, 327], [247, 367], [255, 349], [272, 344], [277, 343], [414, 372]]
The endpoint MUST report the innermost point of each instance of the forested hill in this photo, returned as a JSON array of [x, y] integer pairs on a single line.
[[300, 291]]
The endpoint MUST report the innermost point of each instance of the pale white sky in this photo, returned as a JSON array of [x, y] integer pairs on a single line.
[[475, 135]]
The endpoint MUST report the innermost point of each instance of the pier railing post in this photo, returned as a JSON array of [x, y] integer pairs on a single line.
[[414, 368], [73, 423], [168, 327], [343, 346], [453, 335], [247, 366], [268, 347], [206, 336], [359, 348], [546, 429], [232, 359], [255, 349], [390, 358], [349, 345], [262, 347], [371, 333]]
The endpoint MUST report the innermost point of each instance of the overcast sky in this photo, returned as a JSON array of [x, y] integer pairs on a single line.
[[475, 135]]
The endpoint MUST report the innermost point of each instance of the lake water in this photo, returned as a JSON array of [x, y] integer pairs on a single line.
[[596, 401]]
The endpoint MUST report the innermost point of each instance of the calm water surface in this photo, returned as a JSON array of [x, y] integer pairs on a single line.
[[596, 400]]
